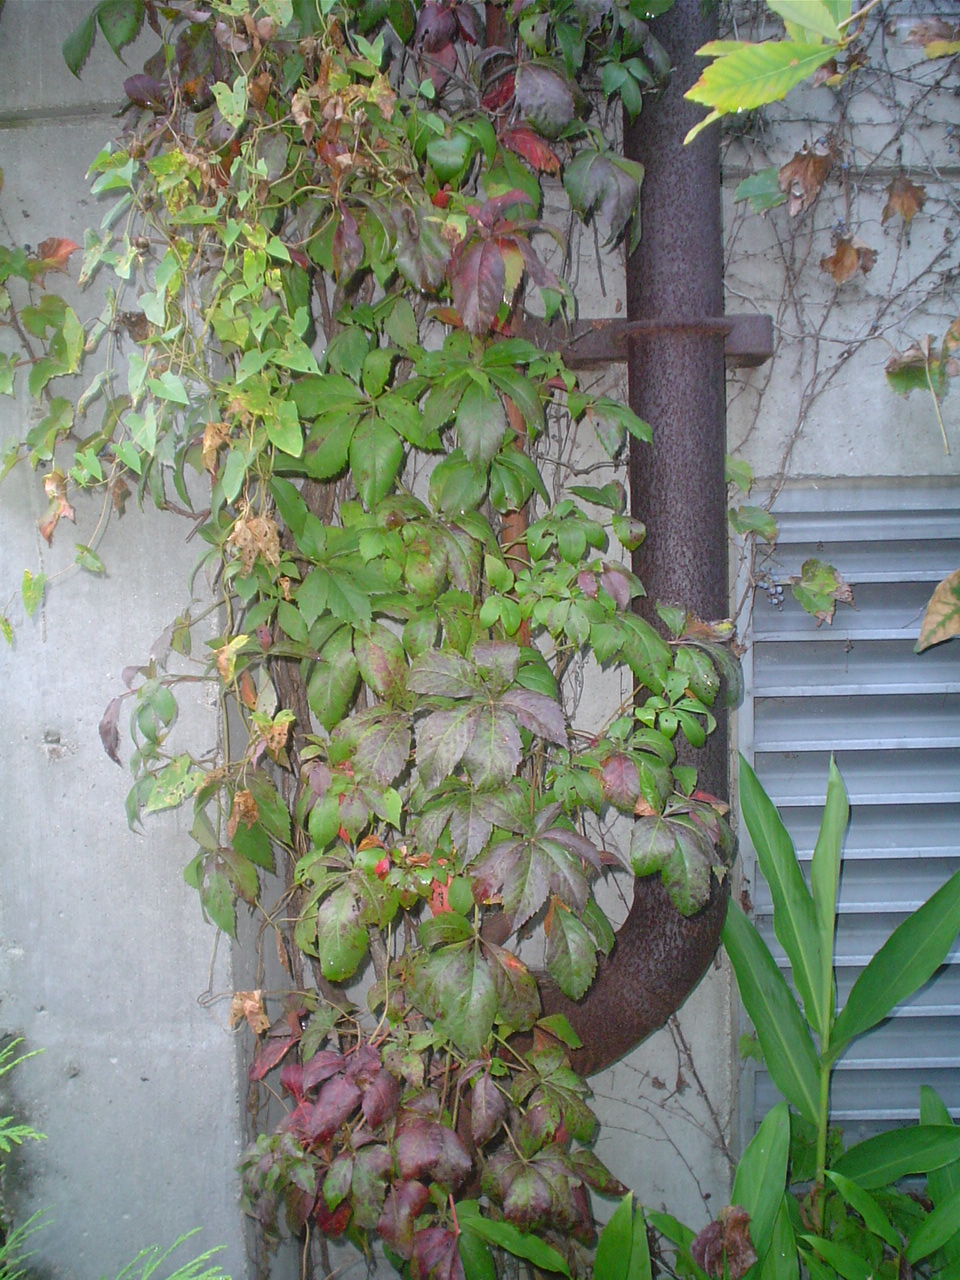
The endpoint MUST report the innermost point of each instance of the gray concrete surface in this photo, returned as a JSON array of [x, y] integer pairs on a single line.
[[104, 956]]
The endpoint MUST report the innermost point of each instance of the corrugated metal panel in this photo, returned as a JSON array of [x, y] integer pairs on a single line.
[[892, 718]]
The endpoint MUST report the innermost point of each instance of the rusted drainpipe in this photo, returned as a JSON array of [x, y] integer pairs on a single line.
[[676, 383]]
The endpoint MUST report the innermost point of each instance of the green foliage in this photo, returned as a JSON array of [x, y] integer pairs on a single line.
[[852, 1220], [321, 244]]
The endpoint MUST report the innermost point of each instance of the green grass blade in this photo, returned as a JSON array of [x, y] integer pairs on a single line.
[[784, 1036]]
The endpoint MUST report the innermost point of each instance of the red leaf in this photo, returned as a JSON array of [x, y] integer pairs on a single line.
[[488, 1109], [109, 734], [468, 20], [347, 247], [381, 1098], [337, 1101], [500, 94], [478, 279], [621, 782], [55, 252], [404, 1203], [291, 1079], [272, 1052], [436, 1256], [531, 147], [333, 1223], [436, 28]]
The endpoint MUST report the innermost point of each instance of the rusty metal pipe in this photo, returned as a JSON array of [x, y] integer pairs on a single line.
[[676, 383]]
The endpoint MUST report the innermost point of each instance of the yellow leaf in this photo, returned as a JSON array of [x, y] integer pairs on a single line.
[[942, 619]]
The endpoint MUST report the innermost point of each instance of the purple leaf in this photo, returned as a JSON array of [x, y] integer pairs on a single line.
[[436, 1255], [617, 585], [621, 782], [381, 659], [404, 1203], [587, 583], [436, 28], [272, 1052], [418, 1147], [493, 209], [381, 1098], [497, 661], [347, 248], [381, 742], [478, 277], [323, 1065], [495, 749], [596, 184], [488, 1109], [443, 673], [545, 97], [525, 872], [529, 1201], [336, 1103], [109, 733], [442, 740], [146, 92], [538, 713], [468, 20]]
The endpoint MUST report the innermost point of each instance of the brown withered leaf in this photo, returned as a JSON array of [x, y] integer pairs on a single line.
[[725, 1246], [802, 178], [300, 110], [904, 198], [849, 256], [829, 73], [254, 536], [55, 487], [215, 435], [247, 1006], [245, 810], [939, 38], [109, 733], [259, 90]]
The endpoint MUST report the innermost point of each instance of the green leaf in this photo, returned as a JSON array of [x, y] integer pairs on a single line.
[[746, 76], [169, 387], [77, 46], [218, 899], [376, 455], [787, 1047], [120, 21], [781, 1262], [912, 955], [622, 1250], [812, 15], [847, 1263], [825, 879], [341, 939], [942, 1182], [32, 590], [794, 914], [521, 1244], [481, 424], [762, 1176], [756, 520], [900, 1153], [476, 1256], [863, 1203], [762, 189], [283, 428], [941, 1226], [6, 630], [89, 560], [571, 954], [559, 1025]]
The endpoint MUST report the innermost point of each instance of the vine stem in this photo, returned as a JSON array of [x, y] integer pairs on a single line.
[[936, 398]]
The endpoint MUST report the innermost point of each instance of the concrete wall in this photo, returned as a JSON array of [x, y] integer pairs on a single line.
[[104, 955]]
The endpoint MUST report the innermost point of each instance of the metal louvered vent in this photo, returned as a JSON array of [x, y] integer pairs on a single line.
[[892, 718]]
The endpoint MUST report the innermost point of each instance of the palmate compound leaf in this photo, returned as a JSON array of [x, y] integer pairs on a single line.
[[454, 985], [478, 277], [682, 852], [523, 873], [471, 815], [546, 98], [380, 739]]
